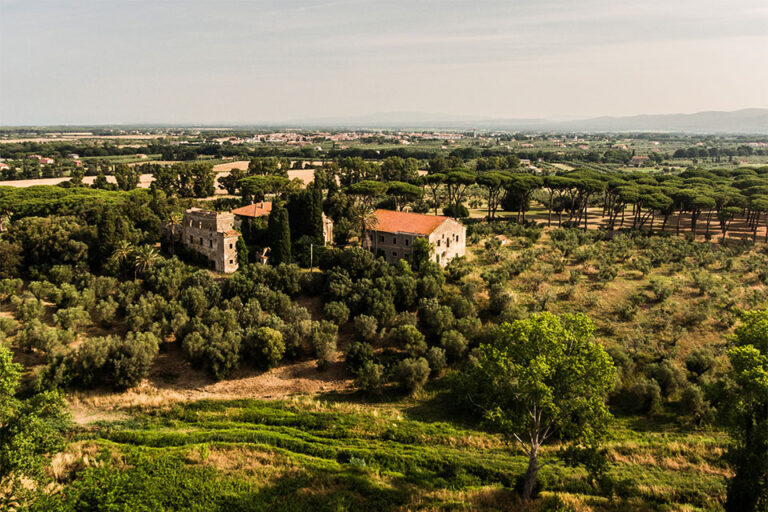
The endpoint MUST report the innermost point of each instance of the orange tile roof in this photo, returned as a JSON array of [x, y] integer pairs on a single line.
[[406, 222], [254, 210]]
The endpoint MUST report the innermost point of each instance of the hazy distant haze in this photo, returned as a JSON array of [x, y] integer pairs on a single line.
[[252, 62]]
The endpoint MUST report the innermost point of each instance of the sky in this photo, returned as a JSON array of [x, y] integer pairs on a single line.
[[250, 62]]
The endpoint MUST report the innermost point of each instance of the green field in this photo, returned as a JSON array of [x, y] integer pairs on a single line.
[[349, 453]]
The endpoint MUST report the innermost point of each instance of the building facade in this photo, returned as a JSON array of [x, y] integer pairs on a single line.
[[394, 232], [213, 235]]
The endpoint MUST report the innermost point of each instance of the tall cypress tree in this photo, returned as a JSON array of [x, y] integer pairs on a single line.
[[279, 230], [316, 213]]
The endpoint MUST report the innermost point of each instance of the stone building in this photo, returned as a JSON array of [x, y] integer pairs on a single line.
[[394, 234], [213, 235]]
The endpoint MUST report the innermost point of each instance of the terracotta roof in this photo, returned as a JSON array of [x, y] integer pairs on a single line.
[[254, 210], [406, 222]]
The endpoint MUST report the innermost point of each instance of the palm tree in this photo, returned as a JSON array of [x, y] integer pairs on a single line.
[[144, 258], [364, 218], [173, 222], [123, 251]]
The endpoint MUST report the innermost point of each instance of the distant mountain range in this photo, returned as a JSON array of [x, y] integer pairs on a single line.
[[746, 121]]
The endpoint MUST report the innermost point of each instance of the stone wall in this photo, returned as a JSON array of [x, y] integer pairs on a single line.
[[212, 234]]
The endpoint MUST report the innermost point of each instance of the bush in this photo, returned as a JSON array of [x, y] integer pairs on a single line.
[[370, 376], [7, 325], [661, 288], [27, 308], [116, 362], [358, 354], [699, 362], [455, 344], [366, 327], [71, 318], [409, 338], [693, 404], [129, 360], [104, 312], [669, 377], [412, 374], [436, 359], [641, 397], [324, 342], [336, 312], [215, 351], [36, 335], [264, 346]]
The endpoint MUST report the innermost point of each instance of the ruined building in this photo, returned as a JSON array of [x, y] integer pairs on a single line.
[[213, 235]]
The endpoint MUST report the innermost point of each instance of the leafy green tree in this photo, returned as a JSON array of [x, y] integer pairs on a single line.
[[544, 376], [422, 252], [324, 337], [403, 193], [409, 338], [127, 177], [412, 373], [494, 182], [744, 409], [29, 429], [264, 346]]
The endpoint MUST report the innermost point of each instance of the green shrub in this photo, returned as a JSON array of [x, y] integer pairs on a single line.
[[409, 338], [27, 308], [357, 355], [71, 318], [370, 377], [437, 361], [455, 344], [105, 312], [264, 346], [412, 374], [324, 342], [366, 327], [661, 288], [336, 312]]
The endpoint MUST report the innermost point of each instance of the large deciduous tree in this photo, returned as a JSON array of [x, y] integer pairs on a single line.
[[544, 376], [29, 429], [745, 411]]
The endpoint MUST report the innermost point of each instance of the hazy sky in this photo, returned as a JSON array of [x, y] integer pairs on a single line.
[[214, 61]]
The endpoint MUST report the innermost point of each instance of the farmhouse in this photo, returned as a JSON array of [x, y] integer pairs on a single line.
[[213, 235], [394, 233]]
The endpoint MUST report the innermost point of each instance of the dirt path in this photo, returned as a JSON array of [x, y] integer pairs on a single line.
[[172, 379]]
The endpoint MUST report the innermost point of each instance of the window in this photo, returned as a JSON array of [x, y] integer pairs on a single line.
[[230, 246], [231, 262], [381, 238], [394, 253], [438, 243], [406, 242], [394, 240], [210, 243]]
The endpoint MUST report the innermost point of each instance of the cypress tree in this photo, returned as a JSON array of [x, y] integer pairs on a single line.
[[242, 252], [316, 213], [279, 230]]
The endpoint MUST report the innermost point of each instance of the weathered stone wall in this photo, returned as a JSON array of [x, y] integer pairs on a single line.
[[212, 234]]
